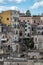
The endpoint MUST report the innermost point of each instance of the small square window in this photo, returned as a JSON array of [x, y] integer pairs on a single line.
[[28, 20], [28, 27], [25, 29], [25, 33], [25, 25]]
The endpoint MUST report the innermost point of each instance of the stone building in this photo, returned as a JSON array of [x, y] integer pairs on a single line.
[[39, 30], [27, 29], [8, 16], [14, 35], [38, 40]]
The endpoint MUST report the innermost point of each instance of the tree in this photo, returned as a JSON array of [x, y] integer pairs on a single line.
[[28, 13], [32, 43], [29, 43]]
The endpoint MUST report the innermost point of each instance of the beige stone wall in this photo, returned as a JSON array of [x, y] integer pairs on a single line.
[[31, 19], [8, 14], [36, 20], [41, 20], [25, 18]]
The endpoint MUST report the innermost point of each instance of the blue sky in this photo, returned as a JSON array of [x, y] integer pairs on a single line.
[[35, 6]]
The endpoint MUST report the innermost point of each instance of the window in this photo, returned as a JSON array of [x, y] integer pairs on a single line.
[[17, 47], [19, 20], [8, 47], [3, 41], [22, 25], [14, 19], [25, 29], [42, 27], [14, 25], [28, 20], [32, 29], [15, 37], [23, 20], [18, 26], [20, 40], [39, 28], [7, 18], [38, 32], [25, 33], [34, 21], [22, 56], [28, 34], [20, 33], [38, 23], [42, 33], [25, 25], [28, 27], [16, 32], [4, 29]]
